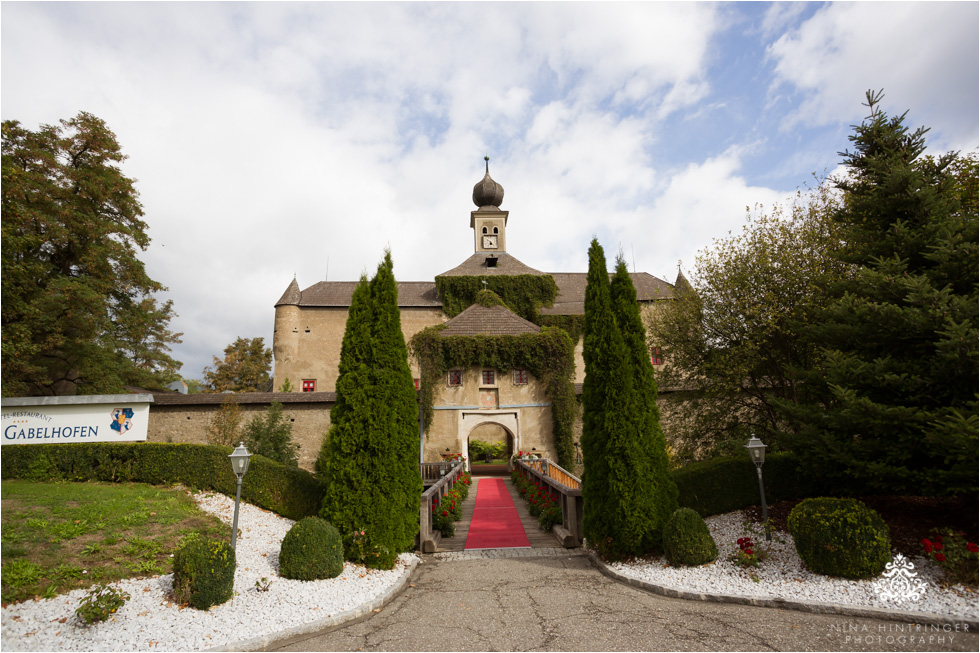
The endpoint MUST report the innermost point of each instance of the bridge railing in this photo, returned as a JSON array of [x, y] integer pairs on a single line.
[[568, 489], [442, 477]]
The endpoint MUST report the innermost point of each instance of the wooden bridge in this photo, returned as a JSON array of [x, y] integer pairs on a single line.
[[564, 487]]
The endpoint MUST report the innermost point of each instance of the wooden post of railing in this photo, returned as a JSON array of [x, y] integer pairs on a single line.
[[429, 540]]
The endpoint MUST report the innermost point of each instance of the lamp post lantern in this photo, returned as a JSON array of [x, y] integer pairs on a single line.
[[240, 458], [757, 452]]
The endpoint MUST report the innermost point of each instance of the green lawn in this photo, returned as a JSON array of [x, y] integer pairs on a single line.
[[61, 536], [481, 461]]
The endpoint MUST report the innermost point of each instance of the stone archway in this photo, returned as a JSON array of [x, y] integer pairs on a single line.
[[508, 420]]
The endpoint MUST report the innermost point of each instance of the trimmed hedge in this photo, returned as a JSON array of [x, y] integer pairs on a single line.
[[721, 485], [288, 491]]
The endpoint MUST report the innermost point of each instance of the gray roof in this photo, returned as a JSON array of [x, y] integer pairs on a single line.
[[175, 398], [292, 294], [476, 266], [339, 293], [570, 299], [571, 291], [492, 321]]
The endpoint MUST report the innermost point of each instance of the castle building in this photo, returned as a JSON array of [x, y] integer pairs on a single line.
[[469, 403]]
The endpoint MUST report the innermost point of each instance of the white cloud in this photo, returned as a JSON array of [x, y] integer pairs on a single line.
[[272, 138], [923, 54]]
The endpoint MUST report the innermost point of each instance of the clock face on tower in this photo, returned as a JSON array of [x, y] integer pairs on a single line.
[[490, 242]]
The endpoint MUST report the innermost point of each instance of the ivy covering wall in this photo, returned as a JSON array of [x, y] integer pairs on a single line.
[[548, 355], [574, 325], [523, 294]]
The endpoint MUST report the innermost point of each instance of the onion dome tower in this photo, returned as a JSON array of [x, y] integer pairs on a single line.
[[488, 222]]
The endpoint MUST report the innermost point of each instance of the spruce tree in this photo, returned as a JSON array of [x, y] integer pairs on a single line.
[[658, 482], [621, 511], [899, 339]]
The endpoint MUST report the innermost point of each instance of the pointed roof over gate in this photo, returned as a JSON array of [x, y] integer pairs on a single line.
[[489, 321]]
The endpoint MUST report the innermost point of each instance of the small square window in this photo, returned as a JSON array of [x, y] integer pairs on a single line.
[[309, 385], [657, 356], [455, 379], [520, 377], [488, 377]]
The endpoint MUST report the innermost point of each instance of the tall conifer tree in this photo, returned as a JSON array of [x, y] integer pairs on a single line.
[[659, 484], [396, 405], [899, 340], [370, 458], [347, 461], [620, 494]]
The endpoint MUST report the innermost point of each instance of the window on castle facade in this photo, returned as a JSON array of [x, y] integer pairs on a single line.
[[309, 385], [656, 356], [520, 377], [455, 379], [488, 377]]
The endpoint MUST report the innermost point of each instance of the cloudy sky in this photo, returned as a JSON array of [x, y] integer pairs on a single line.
[[280, 139]]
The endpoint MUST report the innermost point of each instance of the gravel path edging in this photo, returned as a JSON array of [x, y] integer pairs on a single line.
[[343, 619], [802, 606]]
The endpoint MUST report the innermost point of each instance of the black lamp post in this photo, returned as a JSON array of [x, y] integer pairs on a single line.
[[757, 452], [240, 458]]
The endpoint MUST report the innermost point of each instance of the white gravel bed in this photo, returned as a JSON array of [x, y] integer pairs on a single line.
[[150, 621], [783, 576]]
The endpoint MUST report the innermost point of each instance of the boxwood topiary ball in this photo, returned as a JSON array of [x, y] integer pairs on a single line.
[[687, 540], [311, 550], [840, 537], [204, 571]]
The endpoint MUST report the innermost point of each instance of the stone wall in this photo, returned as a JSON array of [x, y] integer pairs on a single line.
[[185, 418], [307, 340]]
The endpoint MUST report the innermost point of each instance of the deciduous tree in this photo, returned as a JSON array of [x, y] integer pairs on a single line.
[[78, 311], [245, 368], [733, 341], [270, 435]]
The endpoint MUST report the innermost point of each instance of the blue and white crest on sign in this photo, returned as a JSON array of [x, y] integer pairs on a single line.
[[122, 419]]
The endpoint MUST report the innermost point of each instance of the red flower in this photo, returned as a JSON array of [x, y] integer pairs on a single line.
[[971, 547], [445, 514], [938, 546], [748, 552], [940, 557], [740, 540]]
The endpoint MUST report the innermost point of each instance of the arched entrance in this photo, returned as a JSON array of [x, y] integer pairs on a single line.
[[470, 422], [495, 450]]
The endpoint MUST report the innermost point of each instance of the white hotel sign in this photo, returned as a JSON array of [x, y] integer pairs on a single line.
[[86, 418]]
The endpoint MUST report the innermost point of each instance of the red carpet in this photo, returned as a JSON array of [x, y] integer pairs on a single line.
[[495, 524]]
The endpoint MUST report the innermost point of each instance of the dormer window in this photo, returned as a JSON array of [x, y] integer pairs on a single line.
[[491, 261]]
